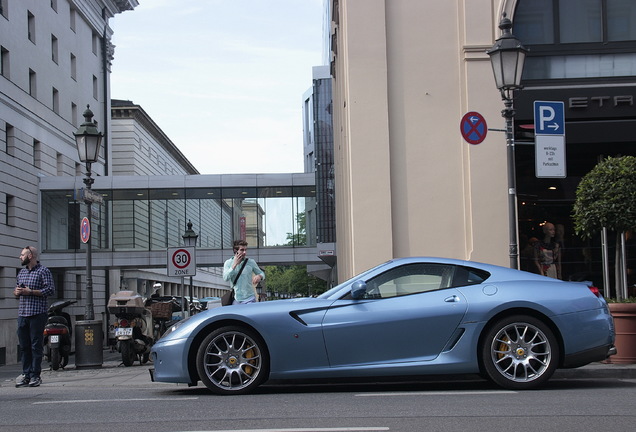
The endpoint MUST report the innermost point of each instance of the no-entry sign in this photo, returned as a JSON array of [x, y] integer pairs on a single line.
[[182, 261]]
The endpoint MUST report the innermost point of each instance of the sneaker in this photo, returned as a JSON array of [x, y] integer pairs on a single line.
[[35, 382], [22, 381]]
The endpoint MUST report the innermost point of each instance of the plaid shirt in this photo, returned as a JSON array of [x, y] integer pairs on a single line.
[[38, 278]]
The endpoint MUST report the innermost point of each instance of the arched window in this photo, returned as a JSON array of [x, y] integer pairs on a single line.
[[577, 39]]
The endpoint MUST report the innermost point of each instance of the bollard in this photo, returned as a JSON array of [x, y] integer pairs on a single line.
[[89, 342]]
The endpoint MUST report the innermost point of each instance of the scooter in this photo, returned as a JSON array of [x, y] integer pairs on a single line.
[[133, 326], [57, 334]]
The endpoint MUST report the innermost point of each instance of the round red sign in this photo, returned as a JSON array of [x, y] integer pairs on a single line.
[[473, 127]]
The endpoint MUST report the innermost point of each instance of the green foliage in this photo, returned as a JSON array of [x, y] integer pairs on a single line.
[[606, 197], [293, 280], [625, 300], [299, 239]]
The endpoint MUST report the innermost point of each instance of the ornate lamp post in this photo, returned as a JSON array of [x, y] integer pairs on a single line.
[[89, 333], [190, 239], [507, 57], [88, 140]]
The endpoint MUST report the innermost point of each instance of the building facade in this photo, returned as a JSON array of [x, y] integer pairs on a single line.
[[318, 157], [404, 74], [55, 60]]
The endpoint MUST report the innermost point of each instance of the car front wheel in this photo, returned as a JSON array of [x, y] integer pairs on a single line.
[[519, 352], [232, 360]]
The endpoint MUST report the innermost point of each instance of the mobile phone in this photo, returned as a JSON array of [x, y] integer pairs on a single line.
[[22, 285]]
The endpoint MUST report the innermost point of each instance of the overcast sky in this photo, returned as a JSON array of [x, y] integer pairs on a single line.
[[223, 79]]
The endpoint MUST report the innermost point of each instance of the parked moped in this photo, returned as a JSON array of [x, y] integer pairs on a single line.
[[57, 334], [133, 326]]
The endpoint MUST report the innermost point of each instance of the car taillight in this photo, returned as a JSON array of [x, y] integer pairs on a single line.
[[55, 331], [595, 290], [124, 323]]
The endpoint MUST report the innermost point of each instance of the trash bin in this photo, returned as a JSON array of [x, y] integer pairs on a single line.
[[89, 342]]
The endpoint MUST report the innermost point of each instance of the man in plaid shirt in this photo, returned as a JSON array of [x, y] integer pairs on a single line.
[[34, 285]]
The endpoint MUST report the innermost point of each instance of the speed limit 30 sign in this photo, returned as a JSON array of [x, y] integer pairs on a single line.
[[182, 261]]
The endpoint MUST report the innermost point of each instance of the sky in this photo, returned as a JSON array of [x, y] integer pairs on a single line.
[[223, 79]]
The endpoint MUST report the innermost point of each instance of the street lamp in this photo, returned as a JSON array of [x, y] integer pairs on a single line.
[[507, 57], [190, 240], [88, 140], [88, 333]]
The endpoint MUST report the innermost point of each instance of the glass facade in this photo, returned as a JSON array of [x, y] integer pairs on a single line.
[[597, 36], [325, 175], [155, 219]]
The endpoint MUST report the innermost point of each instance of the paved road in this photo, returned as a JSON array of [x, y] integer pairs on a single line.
[[118, 398], [113, 373]]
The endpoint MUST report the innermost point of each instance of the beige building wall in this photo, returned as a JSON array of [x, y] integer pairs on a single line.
[[407, 183]]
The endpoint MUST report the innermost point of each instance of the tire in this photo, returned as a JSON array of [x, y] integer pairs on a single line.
[[519, 353], [127, 353], [232, 360], [55, 358]]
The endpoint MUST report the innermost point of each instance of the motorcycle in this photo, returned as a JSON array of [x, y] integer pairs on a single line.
[[57, 334], [133, 326]]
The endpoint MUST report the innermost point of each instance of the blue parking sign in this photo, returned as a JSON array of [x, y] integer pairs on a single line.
[[549, 118]]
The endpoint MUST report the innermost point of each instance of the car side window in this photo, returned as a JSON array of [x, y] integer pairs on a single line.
[[410, 279], [464, 276]]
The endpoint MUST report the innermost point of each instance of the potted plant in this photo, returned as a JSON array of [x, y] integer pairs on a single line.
[[605, 199]]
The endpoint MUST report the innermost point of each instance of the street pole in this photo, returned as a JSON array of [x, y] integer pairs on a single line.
[[89, 313], [509, 113], [507, 57]]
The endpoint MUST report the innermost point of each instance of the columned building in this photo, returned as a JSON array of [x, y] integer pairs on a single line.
[[405, 73]]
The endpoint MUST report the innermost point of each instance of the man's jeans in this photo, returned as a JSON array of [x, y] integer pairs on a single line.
[[30, 337]]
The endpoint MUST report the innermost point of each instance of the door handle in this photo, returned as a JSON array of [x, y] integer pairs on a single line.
[[452, 299]]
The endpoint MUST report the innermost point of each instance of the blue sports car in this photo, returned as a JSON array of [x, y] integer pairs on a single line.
[[406, 317]]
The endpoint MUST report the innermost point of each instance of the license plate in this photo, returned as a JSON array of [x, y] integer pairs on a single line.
[[123, 331], [55, 338]]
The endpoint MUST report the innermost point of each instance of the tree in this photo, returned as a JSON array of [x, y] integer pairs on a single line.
[[294, 280], [300, 238], [606, 198]]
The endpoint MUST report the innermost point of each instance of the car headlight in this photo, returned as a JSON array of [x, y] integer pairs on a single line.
[[174, 327]]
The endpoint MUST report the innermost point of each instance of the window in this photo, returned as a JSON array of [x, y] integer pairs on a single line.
[[4, 62], [37, 154], [78, 286], [31, 26], [32, 83], [9, 139], [95, 88], [54, 48], [59, 159], [577, 39], [10, 219], [74, 114], [55, 102], [73, 14], [95, 43], [3, 9], [54, 5], [73, 67], [421, 277]]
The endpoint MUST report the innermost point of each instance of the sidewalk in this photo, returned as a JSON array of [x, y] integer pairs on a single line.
[[113, 373]]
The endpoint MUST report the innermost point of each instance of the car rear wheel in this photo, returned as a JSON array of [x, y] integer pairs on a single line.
[[232, 360], [519, 352]]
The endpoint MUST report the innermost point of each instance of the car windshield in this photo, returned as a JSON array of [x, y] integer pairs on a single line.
[[337, 288]]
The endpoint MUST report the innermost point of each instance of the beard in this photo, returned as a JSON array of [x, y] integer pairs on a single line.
[[26, 261]]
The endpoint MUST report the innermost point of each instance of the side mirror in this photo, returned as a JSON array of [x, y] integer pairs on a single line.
[[358, 289]]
